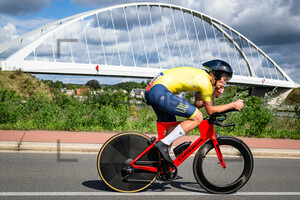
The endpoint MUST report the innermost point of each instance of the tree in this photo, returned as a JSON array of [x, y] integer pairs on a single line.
[[93, 84]]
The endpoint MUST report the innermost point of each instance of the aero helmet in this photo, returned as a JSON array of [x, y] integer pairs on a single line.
[[219, 68]]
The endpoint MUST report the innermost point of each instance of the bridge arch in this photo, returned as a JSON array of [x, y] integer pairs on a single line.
[[140, 40]]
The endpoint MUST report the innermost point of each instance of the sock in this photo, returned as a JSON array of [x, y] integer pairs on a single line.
[[175, 134]]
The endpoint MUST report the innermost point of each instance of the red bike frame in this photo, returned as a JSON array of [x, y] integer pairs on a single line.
[[207, 132]]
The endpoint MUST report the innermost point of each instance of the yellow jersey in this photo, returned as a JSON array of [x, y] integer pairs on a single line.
[[186, 79]]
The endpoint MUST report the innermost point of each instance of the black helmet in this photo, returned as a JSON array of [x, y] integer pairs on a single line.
[[219, 68]]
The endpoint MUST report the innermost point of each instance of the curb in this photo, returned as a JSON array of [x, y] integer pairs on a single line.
[[45, 147], [49, 147], [276, 153]]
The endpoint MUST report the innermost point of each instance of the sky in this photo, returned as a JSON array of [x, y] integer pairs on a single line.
[[273, 25]]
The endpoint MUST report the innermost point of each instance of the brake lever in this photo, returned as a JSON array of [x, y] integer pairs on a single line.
[[227, 125]]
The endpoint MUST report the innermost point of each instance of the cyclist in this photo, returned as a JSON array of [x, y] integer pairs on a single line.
[[207, 84]]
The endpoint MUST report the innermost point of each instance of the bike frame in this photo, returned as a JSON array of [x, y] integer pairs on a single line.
[[207, 132]]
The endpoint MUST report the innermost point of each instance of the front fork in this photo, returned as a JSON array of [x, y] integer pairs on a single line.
[[215, 138]]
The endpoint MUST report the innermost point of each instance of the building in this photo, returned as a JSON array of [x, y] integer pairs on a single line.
[[82, 91], [137, 93]]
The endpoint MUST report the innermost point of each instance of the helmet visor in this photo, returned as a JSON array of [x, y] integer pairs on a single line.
[[227, 77]]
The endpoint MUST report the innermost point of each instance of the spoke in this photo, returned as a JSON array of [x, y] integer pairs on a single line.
[[211, 171], [223, 176], [229, 170], [226, 177], [218, 175]]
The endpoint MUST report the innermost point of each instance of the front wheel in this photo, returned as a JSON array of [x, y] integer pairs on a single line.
[[210, 174]]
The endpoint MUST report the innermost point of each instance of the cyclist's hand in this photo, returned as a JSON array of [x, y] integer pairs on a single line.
[[219, 91], [238, 104]]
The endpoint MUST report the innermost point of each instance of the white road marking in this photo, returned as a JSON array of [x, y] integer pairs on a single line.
[[143, 194]]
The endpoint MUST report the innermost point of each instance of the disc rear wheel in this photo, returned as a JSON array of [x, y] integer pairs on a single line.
[[115, 156]]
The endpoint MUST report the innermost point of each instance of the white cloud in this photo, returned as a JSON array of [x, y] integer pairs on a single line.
[[11, 27], [25, 25], [8, 33]]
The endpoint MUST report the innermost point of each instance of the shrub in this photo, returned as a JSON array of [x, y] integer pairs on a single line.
[[254, 118], [294, 97], [107, 98], [8, 106]]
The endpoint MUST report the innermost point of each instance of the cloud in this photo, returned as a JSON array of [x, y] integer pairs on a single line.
[[8, 33], [261, 20], [271, 28], [106, 3], [24, 25], [20, 7], [96, 3], [294, 6], [148, 42], [274, 26]]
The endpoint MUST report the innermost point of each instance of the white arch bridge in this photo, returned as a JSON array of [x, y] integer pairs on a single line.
[[139, 40]]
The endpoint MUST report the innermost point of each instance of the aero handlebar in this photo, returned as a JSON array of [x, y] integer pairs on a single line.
[[216, 118]]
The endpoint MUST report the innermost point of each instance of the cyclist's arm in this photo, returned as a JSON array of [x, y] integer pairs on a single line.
[[198, 100], [210, 108]]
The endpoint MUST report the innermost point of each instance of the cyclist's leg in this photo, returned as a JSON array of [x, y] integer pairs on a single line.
[[169, 104], [175, 105], [166, 105], [193, 122], [163, 116], [184, 127], [195, 118]]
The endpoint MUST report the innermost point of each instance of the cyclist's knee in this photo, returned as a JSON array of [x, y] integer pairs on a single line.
[[198, 117]]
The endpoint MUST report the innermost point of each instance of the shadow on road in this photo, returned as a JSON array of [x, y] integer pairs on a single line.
[[97, 185], [100, 185], [187, 186], [157, 186]]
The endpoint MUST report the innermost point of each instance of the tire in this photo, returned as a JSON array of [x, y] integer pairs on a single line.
[[112, 158], [212, 176]]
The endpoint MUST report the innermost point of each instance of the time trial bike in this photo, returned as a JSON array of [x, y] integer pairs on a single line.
[[129, 162]]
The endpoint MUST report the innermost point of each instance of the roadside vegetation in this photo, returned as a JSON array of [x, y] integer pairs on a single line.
[[27, 103]]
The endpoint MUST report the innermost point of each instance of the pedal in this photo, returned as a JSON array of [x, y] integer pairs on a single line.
[[168, 172]]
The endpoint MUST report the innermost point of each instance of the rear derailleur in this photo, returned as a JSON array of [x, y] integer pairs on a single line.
[[127, 171]]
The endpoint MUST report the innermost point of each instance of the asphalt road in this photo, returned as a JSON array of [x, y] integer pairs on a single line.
[[75, 176]]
